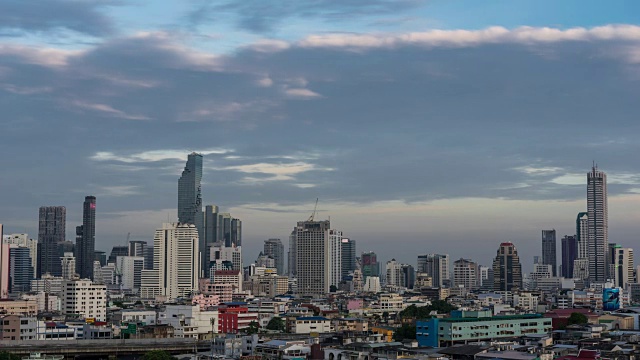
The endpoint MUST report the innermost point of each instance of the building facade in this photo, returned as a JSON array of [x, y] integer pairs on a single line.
[[466, 274], [52, 222], [312, 238], [84, 298], [348, 257], [190, 199], [86, 239], [549, 249], [20, 269], [275, 249], [507, 271], [569, 251], [598, 225], [437, 266]]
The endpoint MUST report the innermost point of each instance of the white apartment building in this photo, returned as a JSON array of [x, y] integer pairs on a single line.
[[622, 266], [145, 317], [48, 283], [312, 324], [189, 321], [526, 301], [226, 257], [68, 265], [176, 263], [333, 258], [233, 277], [466, 274], [129, 270], [391, 303], [394, 273], [46, 302], [85, 298]]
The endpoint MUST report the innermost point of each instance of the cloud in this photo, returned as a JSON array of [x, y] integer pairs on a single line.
[[259, 16], [84, 16], [301, 93], [153, 155], [118, 190], [107, 110], [38, 56], [275, 172]]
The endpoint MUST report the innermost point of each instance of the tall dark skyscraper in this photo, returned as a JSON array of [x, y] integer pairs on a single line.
[[275, 249], [569, 255], [598, 228], [219, 229], [549, 249], [507, 271], [190, 199], [20, 269], [348, 256], [52, 222], [86, 239]]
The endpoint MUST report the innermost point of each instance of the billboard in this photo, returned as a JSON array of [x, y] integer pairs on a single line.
[[610, 299]]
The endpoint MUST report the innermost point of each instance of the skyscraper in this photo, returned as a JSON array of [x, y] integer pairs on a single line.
[[348, 256], [622, 266], [20, 269], [507, 271], [312, 238], [4, 267], [52, 222], [370, 264], [176, 256], [582, 235], [275, 249], [598, 220], [549, 249], [437, 266], [292, 262], [86, 239], [466, 273], [569, 255], [220, 229], [190, 198], [118, 250]]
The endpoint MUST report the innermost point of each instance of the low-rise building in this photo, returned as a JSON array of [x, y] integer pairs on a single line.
[[188, 321], [235, 316], [18, 307], [350, 324], [84, 298], [312, 324], [138, 317], [283, 350], [466, 326]]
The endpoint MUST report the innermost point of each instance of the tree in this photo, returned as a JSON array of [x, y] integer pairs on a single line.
[[4, 355], [424, 312], [253, 328], [405, 332], [277, 324], [157, 355], [577, 318], [385, 315], [333, 288]]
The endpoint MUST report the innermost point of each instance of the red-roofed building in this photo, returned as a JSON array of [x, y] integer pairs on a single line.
[[233, 317], [560, 317], [582, 355]]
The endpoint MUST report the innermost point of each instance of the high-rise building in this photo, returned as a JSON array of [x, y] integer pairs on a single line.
[[20, 268], [23, 240], [466, 273], [220, 229], [52, 222], [130, 272], [622, 266], [118, 250], [333, 258], [409, 275], [148, 258], [370, 264], [598, 220], [137, 248], [275, 249], [225, 258], [86, 239], [313, 258], [190, 200], [507, 271], [68, 266], [437, 266], [84, 298], [569, 255], [394, 273], [4, 267], [176, 263], [582, 235], [292, 256], [549, 249], [100, 256], [348, 256]]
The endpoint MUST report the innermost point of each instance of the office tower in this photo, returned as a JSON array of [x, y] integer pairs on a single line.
[[540, 271], [484, 276], [220, 229], [130, 272], [549, 249], [100, 256], [312, 238], [20, 268], [348, 256], [370, 265], [569, 246], [394, 273], [409, 276], [598, 220], [275, 249], [507, 271], [466, 273], [623, 266], [225, 258], [68, 266], [137, 248], [176, 263], [582, 235], [333, 258], [436, 265], [52, 222], [118, 250], [148, 258], [292, 256], [23, 240], [190, 199], [86, 239], [4, 267], [266, 261]]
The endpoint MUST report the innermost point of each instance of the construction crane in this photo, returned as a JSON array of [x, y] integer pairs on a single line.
[[313, 214]]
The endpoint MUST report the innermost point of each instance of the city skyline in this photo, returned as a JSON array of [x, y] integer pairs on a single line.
[[410, 120]]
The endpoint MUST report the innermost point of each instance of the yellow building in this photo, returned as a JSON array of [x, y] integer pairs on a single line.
[[386, 331]]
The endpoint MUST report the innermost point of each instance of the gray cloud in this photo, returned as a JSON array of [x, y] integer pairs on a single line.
[[260, 16], [81, 16]]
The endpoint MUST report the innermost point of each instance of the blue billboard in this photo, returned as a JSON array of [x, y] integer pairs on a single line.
[[610, 299]]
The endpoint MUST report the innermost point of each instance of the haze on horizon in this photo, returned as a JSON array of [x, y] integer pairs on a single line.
[[422, 126]]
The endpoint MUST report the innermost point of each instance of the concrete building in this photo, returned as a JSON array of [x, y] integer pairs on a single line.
[[48, 284], [190, 203], [598, 225], [4, 268], [225, 258], [507, 271], [52, 223], [189, 321], [333, 258], [370, 265], [234, 317], [372, 285], [23, 240], [394, 273], [68, 265], [622, 266], [130, 272], [220, 229], [86, 239], [549, 249], [471, 326], [19, 307], [176, 263], [84, 298], [223, 291], [437, 266], [292, 255], [20, 269], [466, 274], [275, 249], [232, 277], [348, 257], [268, 285], [312, 246], [569, 246], [312, 324]]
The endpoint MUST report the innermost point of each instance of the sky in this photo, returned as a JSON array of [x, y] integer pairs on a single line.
[[423, 126]]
